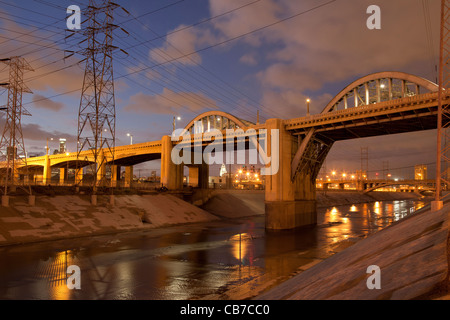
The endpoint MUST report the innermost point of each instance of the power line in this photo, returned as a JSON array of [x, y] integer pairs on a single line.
[[214, 45], [238, 36], [207, 84]]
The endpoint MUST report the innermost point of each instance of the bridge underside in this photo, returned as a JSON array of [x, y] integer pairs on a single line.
[[134, 160]]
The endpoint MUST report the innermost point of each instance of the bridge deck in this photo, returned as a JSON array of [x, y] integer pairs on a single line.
[[389, 117]]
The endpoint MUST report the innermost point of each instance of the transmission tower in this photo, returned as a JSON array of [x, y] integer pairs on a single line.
[[364, 163], [97, 115], [12, 147], [443, 125]]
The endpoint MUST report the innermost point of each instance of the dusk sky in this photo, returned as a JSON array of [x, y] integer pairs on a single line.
[[238, 56]]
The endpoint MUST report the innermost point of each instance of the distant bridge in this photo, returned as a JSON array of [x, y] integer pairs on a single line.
[[372, 185]]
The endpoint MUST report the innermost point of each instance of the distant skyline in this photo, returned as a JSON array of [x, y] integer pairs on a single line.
[[239, 56]]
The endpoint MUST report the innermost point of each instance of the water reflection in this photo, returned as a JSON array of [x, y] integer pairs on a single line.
[[368, 217], [242, 248]]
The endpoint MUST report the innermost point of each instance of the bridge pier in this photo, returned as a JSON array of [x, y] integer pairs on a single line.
[[47, 176], [199, 176], [63, 174], [289, 204], [78, 175], [128, 176], [360, 186], [101, 169], [115, 174], [171, 173]]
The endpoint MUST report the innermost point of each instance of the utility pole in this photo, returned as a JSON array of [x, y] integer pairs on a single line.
[[443, 125], [364, 163], [12, 147]]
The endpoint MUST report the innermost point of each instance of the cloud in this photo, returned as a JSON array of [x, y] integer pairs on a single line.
[[248, 59], [35, 132], [50, 70], [169, 102], [328, 45], [287, 104], [42, 103], [177, 45]]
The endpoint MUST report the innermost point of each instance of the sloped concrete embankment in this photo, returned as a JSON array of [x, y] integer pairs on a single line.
[[239, 203], [62, 217], [66, 216], [338, 198], [412, 255]]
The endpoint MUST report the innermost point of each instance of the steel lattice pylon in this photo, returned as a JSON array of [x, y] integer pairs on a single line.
[[443, 125], [12, 147], [97, 115]]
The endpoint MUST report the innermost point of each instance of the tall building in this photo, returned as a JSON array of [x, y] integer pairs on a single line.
[[420, 172], [223, 170], [62, 145]]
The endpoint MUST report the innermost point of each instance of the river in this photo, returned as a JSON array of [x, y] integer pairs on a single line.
[[227, 259]]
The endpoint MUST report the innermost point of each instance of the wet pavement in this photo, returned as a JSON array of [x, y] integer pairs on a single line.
[[228, 259]]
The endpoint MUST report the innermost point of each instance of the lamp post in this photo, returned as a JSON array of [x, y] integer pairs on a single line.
[[175, 118], [47, 145], [131, 137], [307, 106]]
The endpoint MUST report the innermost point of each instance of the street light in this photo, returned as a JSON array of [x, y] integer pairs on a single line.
[[131, 137], [307, 106], [47, 144], [177, 118]]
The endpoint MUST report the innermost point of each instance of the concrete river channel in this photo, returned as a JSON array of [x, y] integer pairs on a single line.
[[226, 259]]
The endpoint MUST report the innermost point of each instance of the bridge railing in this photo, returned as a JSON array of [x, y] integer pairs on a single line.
[[390, 104]]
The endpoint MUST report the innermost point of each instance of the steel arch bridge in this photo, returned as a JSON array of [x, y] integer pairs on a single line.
[[219, 120], [376, 104], [427, 185]]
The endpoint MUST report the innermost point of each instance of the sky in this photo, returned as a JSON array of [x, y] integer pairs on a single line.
[[185, 57]]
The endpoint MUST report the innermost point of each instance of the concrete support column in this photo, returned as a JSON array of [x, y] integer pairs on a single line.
[[15, 176], [171, 174], [47, 176], [115, 175], [289, 204], [199, 176], [193, 176], [101, 169], [128, 176], [359, 185], [62, 175], [31, 178], [78, 175], [28, 178]]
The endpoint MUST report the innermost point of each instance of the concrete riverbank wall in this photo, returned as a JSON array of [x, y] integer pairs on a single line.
[[68, 216], [60, 217]]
